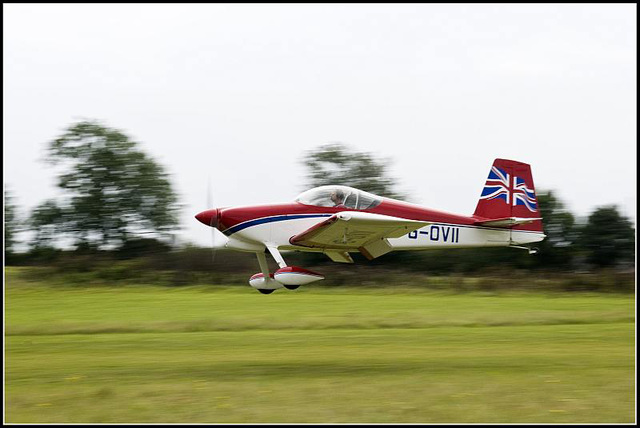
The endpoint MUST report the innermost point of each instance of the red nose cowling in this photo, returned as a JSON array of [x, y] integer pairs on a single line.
[[208, 217]]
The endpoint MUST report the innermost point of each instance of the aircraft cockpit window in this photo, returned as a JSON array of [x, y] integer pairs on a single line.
[[339, 196], [318, 199], [367, 201], [351, 201]]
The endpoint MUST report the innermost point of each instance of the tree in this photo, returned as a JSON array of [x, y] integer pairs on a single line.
[[11, 226], [335, 163], [608, 238], [557, 249], [112, 190], [47, 220]]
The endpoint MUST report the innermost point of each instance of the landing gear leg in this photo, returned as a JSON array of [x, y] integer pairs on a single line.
[[264, 267], [281, 263], [277, 257]]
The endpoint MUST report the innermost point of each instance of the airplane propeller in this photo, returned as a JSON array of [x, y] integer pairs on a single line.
[[210, 217], [213, 231]]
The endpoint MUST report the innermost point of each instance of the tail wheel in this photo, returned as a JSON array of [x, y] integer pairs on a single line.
[[264, 291], [291, 287]]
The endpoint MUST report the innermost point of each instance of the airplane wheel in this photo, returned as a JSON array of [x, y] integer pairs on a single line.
[[264, 291], [291, 287]]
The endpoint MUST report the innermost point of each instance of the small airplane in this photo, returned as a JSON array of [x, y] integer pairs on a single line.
[[338, 220]]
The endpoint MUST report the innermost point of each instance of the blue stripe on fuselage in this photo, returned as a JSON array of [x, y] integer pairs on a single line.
[[239, 227], [249, 223]]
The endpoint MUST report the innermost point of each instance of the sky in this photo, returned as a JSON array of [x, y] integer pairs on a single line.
[[234, 95]]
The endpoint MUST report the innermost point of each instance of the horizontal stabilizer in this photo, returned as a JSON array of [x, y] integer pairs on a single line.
[[506, 221]]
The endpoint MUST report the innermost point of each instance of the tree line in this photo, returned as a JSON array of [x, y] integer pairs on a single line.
[[117, 199]]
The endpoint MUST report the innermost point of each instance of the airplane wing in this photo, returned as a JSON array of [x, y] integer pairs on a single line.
[[339, 256], [351, 230], [506, 221]]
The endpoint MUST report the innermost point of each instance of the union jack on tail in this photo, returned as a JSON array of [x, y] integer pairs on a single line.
[[509, 192]]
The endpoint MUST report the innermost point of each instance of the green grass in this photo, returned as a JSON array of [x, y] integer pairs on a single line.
[[213, 354]]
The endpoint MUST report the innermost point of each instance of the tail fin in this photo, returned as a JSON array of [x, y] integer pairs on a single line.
[[509, 193]]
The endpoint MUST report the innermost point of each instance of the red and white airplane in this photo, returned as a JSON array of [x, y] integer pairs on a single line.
[[338, 220]]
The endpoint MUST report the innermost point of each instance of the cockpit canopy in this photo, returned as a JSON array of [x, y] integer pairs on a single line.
[[339, 196]]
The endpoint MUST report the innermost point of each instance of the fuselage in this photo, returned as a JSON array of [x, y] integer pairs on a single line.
[[249, 228]]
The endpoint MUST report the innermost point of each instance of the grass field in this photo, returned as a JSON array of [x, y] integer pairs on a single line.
[[213, 354]]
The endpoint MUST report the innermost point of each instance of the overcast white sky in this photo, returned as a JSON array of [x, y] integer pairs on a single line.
[[239, 93]]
